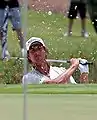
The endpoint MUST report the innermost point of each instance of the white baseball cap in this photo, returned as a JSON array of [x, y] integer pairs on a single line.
[[33, 41]]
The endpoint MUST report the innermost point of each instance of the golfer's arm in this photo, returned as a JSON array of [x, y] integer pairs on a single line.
[[49, 81], [64, 77]]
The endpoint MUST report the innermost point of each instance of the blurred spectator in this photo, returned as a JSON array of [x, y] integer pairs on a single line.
[[10, 10], [75, 7]]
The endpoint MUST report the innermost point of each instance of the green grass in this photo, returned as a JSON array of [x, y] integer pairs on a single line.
[[49, 107], [50, 89], [51, 29]]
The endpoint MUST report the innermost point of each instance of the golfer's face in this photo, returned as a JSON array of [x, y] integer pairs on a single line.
[[37, 53]]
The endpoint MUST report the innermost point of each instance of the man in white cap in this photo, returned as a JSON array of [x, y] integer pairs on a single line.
[[43, 73]]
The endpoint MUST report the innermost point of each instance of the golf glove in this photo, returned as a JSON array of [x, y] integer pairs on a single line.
[[83, 68]]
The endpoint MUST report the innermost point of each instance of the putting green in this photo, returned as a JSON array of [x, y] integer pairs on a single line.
[[49, 106]]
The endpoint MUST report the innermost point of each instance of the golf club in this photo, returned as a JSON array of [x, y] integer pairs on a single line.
[[56, 61]]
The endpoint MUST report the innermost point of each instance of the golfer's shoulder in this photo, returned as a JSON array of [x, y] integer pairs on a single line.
[[32, 74], [26, 75], [29, 74]]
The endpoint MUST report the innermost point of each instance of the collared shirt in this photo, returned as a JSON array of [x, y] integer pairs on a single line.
[[35, 77]]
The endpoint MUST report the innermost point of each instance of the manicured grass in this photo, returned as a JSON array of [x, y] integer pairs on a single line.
[[49, 107], [50, 89]]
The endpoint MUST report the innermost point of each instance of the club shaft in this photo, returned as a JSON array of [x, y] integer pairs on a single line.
[[57, 61]]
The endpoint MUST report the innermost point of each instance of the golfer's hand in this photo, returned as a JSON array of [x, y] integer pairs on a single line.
[[74, 62], [83, 68]]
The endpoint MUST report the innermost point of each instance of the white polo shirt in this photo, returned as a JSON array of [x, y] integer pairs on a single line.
[[35, 77]]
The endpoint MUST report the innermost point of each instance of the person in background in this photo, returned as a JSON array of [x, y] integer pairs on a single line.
[[10, 10], [77, 6], [44, 73]]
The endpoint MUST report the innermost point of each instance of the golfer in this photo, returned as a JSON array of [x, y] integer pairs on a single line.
[[43, 73]]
